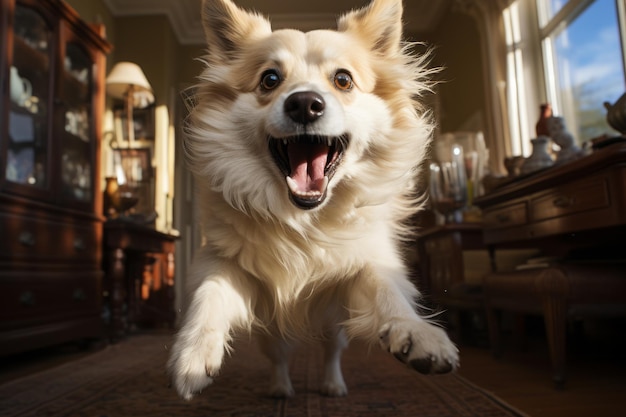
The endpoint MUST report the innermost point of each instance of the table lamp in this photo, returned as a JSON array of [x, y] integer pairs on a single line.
[[127, 81]]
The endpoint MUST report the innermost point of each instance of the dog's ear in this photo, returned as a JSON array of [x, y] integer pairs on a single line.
[[227, 27], [379, 23]]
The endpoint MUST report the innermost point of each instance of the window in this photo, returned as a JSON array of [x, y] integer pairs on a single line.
[[516, 89], [569, 53]]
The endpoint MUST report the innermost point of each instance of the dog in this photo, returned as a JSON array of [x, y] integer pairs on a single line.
[[305, 148]]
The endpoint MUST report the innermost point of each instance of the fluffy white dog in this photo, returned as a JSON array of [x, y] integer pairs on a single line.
[[305, 148]]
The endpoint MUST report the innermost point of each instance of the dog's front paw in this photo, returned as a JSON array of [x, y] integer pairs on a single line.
[[194, 362], [334, 388], [421, 345]]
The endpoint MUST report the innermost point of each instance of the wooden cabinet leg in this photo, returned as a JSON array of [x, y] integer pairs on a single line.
[[519, 331], [169, 288], [554, 310], [493, 327], [117, 296]]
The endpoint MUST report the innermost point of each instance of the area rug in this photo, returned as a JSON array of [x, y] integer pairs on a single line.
[[128, 380]]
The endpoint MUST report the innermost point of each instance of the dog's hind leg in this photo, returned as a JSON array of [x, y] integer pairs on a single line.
[[333, 384], [278, 352]]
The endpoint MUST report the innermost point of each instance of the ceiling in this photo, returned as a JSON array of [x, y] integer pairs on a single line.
[[420, 16]]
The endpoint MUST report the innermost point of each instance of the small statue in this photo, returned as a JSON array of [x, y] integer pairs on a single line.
[[564, 139], [539, 158], [545, 113]]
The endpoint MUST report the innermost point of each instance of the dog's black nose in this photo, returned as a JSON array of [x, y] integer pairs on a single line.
[[304, 107]]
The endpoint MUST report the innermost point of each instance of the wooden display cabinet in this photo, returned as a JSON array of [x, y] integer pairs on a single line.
[[52, 67]]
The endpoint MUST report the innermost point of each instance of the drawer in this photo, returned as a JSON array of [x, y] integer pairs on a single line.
[[587, 195], [506, 216], [29, 298], [29, 238]]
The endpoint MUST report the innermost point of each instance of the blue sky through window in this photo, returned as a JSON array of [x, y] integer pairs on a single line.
[[590, 64]]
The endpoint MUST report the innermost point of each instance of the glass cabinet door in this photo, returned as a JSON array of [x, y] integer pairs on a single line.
[[77, 138], [27, 154]]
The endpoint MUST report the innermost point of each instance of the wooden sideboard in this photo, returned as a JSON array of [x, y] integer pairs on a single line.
[[577, 204], [139, 280], [576, 214]]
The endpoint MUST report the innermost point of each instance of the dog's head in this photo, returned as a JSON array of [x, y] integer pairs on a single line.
[[286, 120]]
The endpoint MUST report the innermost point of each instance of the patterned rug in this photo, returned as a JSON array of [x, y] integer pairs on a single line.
[[128, 379]]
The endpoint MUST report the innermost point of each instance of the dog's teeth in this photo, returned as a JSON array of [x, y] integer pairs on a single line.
[[285, 142], [325, 184], [329, 142], [295, 190], [292, 185]]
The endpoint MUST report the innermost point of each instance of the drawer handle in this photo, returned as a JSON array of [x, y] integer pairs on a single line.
[[27, 298], [563, 202], [79, 244], [79, 295]]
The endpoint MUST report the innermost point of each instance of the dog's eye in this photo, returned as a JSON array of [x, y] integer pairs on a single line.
[[343, 80], [270, 80]]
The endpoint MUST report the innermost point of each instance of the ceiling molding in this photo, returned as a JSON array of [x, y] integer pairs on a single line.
[[421, 16]]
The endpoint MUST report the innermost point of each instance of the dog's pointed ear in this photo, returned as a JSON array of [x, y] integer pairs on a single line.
[[380, 23], [227, 27]]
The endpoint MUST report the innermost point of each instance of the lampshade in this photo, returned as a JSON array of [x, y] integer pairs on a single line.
[[127, 74]]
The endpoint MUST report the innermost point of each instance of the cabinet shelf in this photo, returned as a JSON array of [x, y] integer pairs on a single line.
[[74, 90], [26, 56]]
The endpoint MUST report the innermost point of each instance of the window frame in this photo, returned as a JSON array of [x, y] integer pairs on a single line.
[[533, 52]]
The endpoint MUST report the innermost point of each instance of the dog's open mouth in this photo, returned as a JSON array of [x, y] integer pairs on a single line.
[[308, 163]]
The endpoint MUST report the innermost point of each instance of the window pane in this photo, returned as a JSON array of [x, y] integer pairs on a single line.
[[548, 9], [589, 66]]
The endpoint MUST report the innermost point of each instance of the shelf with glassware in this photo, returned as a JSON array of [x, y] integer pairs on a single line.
[[52, 71], [75, 109], [27, 151], [27, 147]]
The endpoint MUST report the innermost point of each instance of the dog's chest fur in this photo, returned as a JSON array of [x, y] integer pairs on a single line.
[[330, 246]]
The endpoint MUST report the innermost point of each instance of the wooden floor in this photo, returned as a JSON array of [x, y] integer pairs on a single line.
[[596, 383]]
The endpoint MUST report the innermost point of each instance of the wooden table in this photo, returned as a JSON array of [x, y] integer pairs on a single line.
[[440, 251], [576, 212], [139, 280], [442, 270]]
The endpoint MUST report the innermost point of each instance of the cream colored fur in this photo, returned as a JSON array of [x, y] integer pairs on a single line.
[[269, 267]]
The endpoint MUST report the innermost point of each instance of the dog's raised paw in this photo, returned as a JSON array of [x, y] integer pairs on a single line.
[[421, 345], [193, 366]]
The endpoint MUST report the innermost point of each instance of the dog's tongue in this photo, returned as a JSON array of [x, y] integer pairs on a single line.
[[308, 161]]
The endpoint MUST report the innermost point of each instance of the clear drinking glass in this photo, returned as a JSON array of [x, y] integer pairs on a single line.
[[448, 184]]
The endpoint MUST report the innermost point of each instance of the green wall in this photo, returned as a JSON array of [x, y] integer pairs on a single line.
[[149, 42], [458, 51]]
